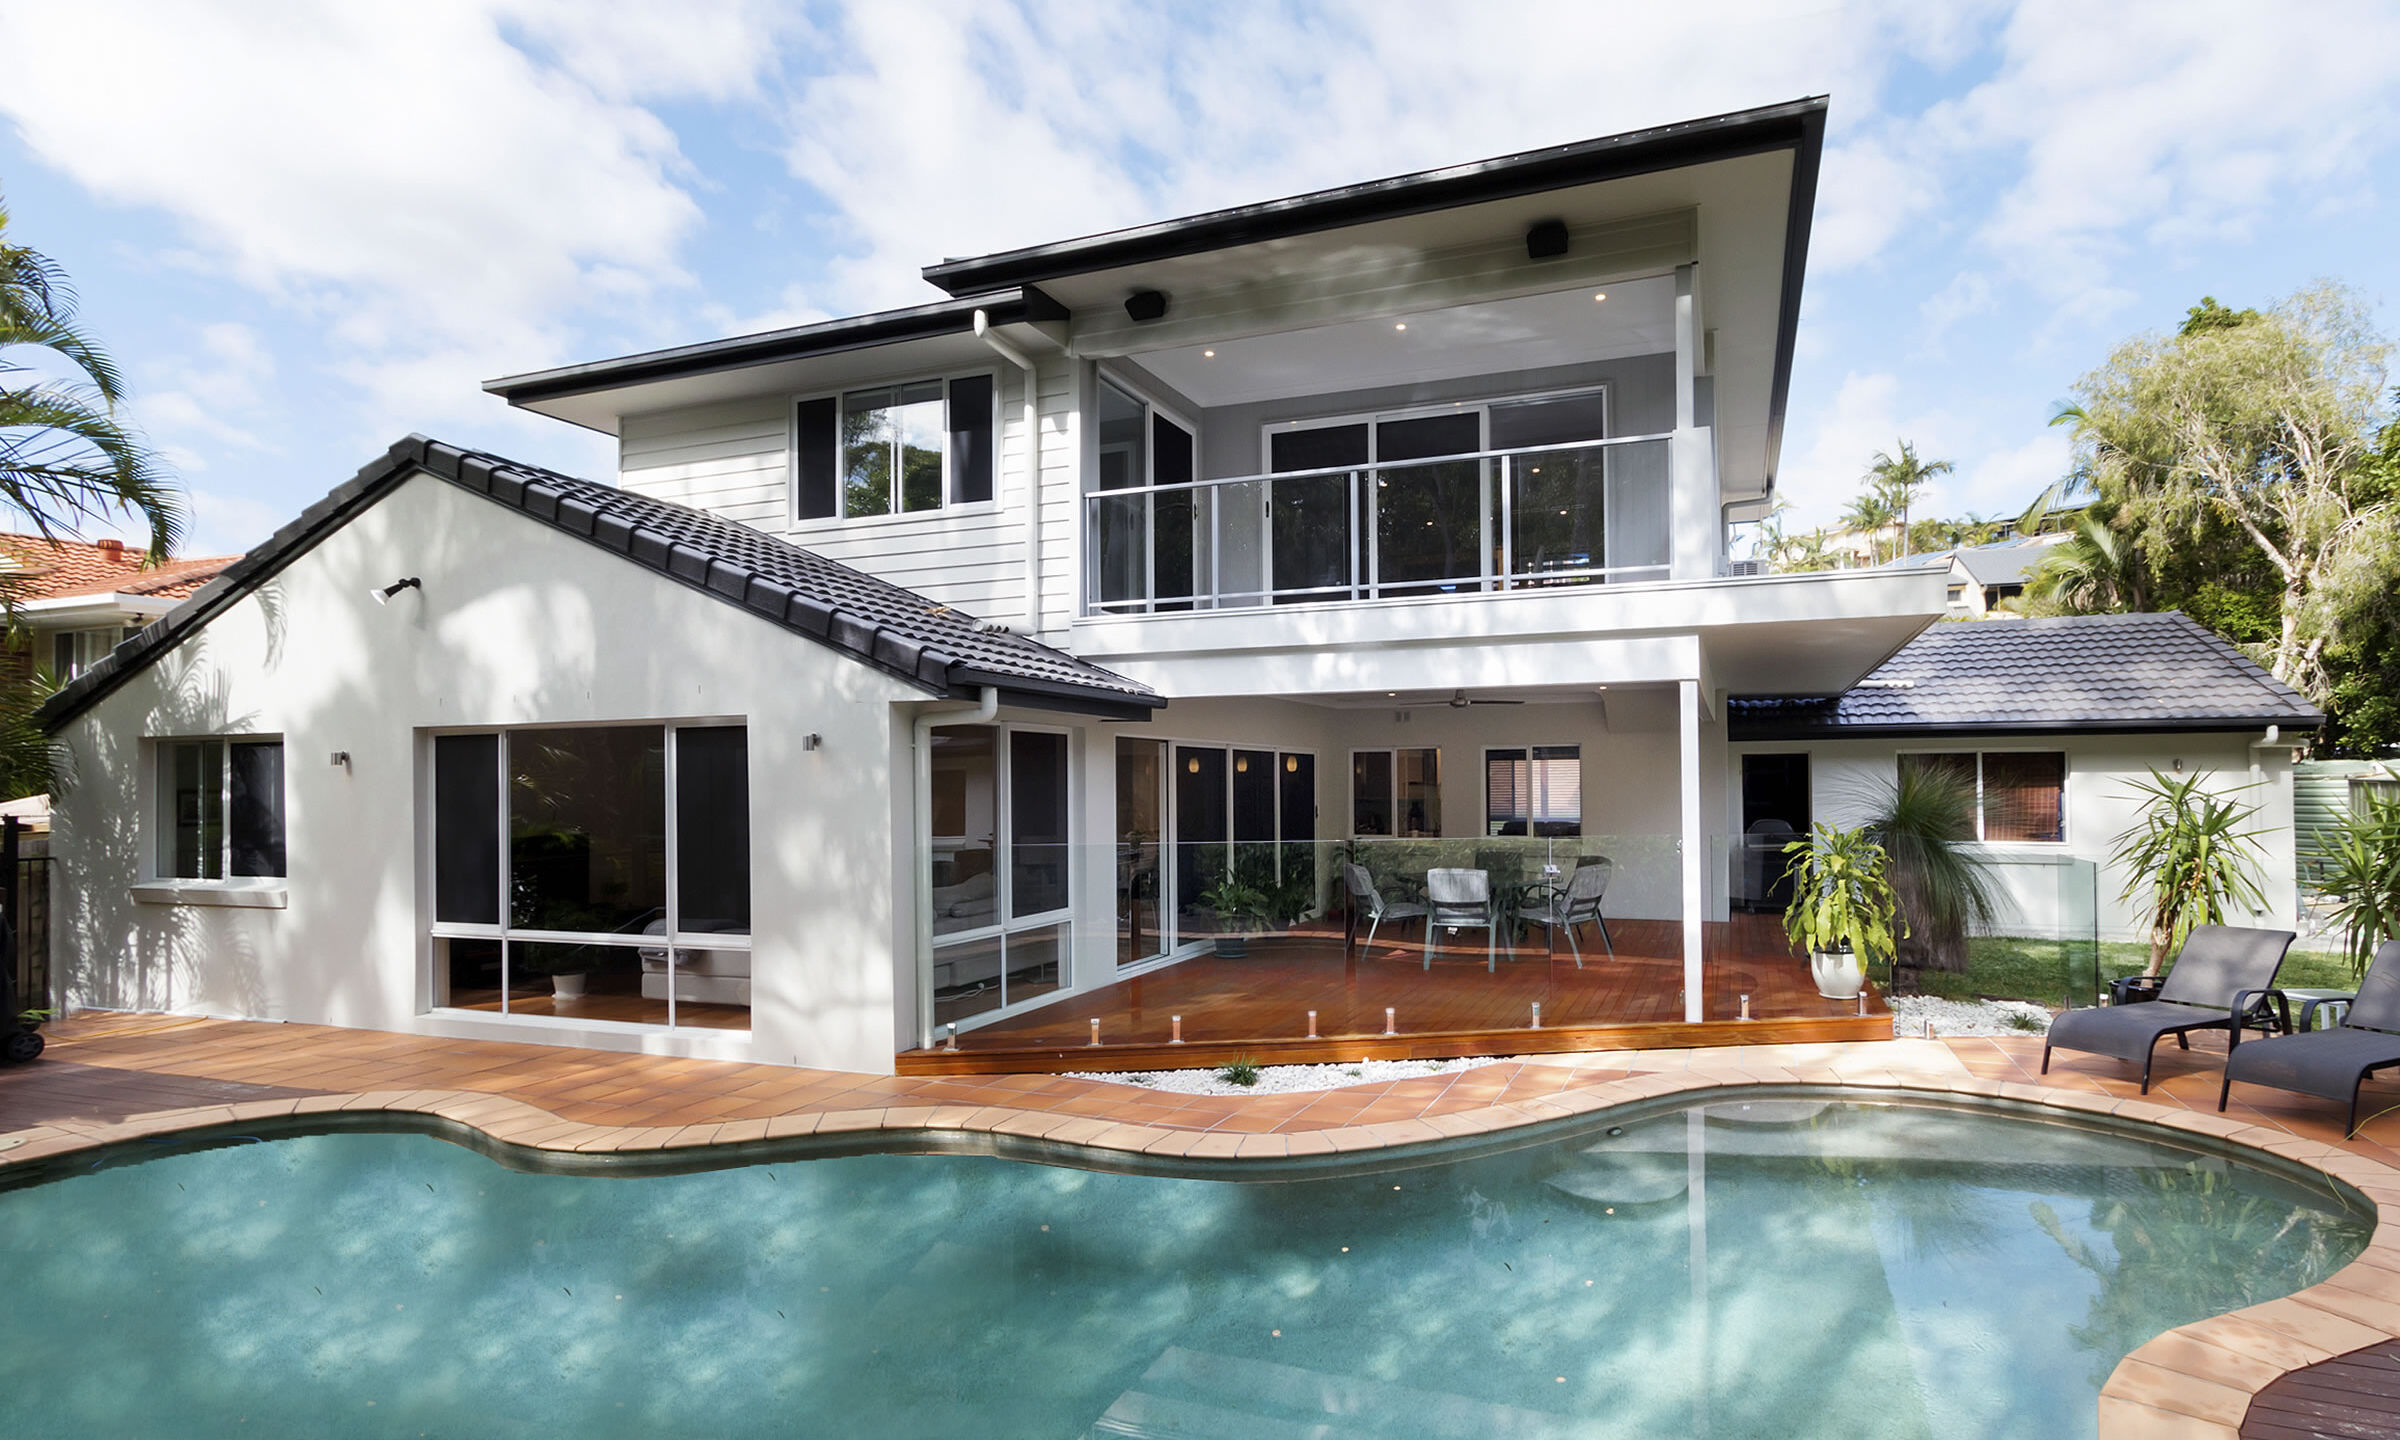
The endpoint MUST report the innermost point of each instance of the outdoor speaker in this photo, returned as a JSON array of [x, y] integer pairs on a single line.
[[1547, 240], [1146, 304]]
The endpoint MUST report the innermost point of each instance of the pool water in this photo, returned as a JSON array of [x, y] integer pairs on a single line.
[[1770, 1268]]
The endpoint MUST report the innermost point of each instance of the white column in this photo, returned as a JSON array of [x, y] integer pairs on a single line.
[[1692, 464], [1694, 837]]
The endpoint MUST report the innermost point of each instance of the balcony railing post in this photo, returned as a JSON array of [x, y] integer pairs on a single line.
[[1508, 519]]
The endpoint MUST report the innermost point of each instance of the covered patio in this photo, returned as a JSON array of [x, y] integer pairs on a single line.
[[1464, 1003]]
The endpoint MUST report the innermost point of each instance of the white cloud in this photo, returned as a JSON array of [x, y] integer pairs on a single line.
[[403, 179], [223, 524], [1820, 476], [2002, 483]]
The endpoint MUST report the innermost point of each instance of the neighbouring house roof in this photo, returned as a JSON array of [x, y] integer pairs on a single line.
[[2163, 672], [2002, 562], [68, 569], [826, 337], [937, 648]]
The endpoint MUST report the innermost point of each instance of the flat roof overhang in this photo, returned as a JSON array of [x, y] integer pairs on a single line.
[[598, 395]]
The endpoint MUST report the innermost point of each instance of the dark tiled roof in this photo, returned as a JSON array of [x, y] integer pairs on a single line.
[[941, 650], [2080, 673]]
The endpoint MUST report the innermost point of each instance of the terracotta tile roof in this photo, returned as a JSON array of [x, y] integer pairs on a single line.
[[62, 568]]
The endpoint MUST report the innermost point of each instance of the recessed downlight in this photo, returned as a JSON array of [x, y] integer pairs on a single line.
[[1208, 354], [1400, 325], [1601, 295]]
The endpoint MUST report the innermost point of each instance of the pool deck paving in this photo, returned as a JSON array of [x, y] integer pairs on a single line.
[[2319, 1362]]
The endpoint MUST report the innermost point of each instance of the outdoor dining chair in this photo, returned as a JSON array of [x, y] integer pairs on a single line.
[[1574, 904], [2330, 1064], [2219, 977], [1462, 900], [1366, 900]]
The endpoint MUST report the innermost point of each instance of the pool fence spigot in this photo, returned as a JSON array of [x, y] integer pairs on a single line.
[[1391, 1026], [1537, 1016], [1312, 1024], [952, 1042], [1095, 1040], [1745, 1007], [1175, 1036]]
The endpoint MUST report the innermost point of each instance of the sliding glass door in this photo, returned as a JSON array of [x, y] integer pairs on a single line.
[[1142, 928]]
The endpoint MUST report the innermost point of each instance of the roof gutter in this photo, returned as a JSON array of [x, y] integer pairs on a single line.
[[921, 837], [1033, 468]]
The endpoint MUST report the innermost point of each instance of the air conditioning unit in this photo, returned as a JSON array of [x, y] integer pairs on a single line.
[[1749, 567]]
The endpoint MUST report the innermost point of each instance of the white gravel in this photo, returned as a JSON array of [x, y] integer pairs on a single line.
[[1286, 1079], [1964, 1017]]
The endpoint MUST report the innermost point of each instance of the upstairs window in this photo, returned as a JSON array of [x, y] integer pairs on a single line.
[[220, 809], [895, 449], [74, 651]]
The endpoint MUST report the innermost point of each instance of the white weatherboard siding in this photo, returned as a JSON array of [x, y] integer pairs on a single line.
[[1847, 776], [516, 624], [734, 459]]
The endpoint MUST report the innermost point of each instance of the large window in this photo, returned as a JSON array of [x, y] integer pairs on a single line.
[[1001, 860], [1537, 790], [2020, 795], [895, 449], [1396, 792], [1146, 546], [600, 872], [220, 809]]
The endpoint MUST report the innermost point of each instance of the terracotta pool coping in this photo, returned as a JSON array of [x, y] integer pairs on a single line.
[[2194, 1381]]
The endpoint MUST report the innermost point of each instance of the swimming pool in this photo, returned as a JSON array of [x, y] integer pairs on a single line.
[[1747, 1266]]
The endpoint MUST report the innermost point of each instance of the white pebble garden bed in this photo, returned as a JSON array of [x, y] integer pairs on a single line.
[[1287, 1079], [1965, 1017]]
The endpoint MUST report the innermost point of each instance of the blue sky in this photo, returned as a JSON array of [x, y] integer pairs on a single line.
[[307, 230]]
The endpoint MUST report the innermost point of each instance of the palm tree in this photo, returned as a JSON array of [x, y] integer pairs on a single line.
[[2094, 571], [65, 453], [1869, 515], [1897, 480]]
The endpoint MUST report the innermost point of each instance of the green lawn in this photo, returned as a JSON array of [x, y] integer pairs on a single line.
[[2059, 972]]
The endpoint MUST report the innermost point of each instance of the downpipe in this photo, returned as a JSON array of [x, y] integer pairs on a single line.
[[921, 751], [1033, 468]]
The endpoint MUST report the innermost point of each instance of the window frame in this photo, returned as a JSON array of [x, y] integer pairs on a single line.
[[98, 640], [153, 870], [1526, 750], [1153, 409], [1006, 923], [1392, 753], [795, 522], [2066, 774], [435, 929]]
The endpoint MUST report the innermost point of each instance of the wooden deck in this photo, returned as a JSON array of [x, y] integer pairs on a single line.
[[1258, 1007]]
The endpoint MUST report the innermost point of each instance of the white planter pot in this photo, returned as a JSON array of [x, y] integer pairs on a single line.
[[1837, 973], [567, 987]]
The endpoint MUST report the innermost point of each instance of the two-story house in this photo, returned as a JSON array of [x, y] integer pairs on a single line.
[[969, 669]]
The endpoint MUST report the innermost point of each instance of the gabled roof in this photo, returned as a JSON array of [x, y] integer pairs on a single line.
[[2002, 562], [2081, 673], [66, 569], [938, 649]]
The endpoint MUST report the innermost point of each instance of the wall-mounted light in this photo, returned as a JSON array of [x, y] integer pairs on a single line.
[[1192, 764], [1291, 764], [812, 741], [1241, 764], [383, 596], [342, 758]]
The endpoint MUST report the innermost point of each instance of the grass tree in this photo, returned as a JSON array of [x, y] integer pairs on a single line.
[[2188, 859], [1924, 823]]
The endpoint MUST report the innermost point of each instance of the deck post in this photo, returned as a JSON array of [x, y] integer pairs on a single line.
[[1692, 841]]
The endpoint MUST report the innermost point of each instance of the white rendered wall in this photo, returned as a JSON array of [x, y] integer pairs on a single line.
[[1847, 776], [516, 624]]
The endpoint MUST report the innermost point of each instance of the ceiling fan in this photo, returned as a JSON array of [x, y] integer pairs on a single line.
[[1459, 701]]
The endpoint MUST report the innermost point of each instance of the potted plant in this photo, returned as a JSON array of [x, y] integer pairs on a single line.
[[1843, 911], [1238, 908]]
